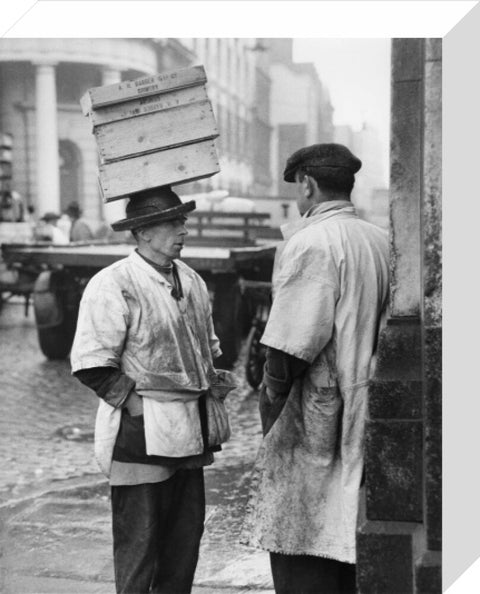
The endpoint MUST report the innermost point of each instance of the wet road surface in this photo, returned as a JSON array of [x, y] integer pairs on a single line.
[[54, 504]]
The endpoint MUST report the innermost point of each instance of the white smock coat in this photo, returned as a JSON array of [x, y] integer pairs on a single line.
[[329, 289], [129, 320]]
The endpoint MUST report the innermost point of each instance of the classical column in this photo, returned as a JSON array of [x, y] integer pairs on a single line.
[[48, 174], [113, 211]]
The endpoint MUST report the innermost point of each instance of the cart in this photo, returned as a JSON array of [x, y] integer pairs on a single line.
[[59, 274]]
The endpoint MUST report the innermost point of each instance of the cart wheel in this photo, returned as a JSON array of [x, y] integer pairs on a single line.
[[55, 343], [55, 306], [255, 357]]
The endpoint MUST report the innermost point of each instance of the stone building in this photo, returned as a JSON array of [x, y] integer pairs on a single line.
[[233, 74], [266, 107], [55, 158], [41, 81], [370, 194], [399, 534], [301, 112]]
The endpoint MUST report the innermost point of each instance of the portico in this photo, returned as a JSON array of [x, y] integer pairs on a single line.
[[42, 82]]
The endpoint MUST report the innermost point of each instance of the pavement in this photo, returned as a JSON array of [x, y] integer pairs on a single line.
[[55, 525]]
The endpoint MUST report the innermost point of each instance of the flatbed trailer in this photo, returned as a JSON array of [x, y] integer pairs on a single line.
[[59, 274]]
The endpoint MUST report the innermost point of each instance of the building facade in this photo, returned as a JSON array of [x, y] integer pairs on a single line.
[[301, 112], [230, 64], [266, 107], [370, 193], [55, 158]]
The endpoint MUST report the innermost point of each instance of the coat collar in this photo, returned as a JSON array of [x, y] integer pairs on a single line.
[[319, 212], [185, 273]]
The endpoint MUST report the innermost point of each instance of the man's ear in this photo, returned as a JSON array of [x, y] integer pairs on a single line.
[[143, 234], [308, 186]]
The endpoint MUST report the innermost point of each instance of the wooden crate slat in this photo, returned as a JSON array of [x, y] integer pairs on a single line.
[[193, 224], [157, 131], [216, 214], [145, 105], [169, 167], [142, 87], [215, 240]]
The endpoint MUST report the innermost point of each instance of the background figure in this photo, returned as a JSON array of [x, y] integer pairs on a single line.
[[12, 208], [79, 230], [46, 229], [329, 290]]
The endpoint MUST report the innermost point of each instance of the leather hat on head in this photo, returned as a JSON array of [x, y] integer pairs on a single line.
[[151, 207], [328, 156]]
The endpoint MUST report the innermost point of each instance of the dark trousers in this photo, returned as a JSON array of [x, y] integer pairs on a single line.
[[305, 574], [156, 534]]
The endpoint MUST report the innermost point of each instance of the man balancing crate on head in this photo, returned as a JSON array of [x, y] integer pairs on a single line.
[[145, 344]]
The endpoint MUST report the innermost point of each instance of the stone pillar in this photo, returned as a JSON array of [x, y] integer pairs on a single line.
[[406, 176], [428, 566], [48, 173], [113, 211], [399, 526]]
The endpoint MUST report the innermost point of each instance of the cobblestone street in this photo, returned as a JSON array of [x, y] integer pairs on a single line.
[[53, 500], [42, 404]]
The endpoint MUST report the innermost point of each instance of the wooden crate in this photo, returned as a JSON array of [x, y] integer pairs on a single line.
[[156, 131], [169, 167], [153, 131]]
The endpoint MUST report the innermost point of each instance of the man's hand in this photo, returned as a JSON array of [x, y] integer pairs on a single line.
[[271, 395], [271, 405], [134, 404]]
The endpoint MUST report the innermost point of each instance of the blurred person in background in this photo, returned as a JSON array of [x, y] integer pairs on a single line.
[[79, 229], [46, 229]]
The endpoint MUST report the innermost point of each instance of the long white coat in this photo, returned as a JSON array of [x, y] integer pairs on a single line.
[[129, 320], [329, 290]]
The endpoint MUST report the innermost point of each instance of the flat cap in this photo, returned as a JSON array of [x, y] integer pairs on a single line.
[[328, 155]]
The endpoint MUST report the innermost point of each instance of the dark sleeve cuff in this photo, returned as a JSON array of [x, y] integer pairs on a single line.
[[276, 374], [116, 393], [281, 369], [108, 383]]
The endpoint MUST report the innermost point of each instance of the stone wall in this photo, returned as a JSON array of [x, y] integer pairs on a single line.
[[399, 534]]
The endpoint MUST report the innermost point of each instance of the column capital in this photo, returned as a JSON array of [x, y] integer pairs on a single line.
[[110, 75], [109, 68], [44, 63]]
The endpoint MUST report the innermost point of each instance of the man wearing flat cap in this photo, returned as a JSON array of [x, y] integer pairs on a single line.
[[329, 292], [145, 344]]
